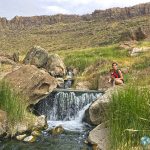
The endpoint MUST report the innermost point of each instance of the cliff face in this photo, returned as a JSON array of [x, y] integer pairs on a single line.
[[123, 13], [21, 22], [108, 14]]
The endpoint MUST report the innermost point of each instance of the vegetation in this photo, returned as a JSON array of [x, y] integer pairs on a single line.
[[11, 102], [129, 117], [70, 36]]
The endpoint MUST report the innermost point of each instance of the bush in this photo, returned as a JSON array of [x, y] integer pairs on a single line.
[[129, 116], [11, 102]]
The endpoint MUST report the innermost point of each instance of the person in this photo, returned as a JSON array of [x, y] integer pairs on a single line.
[[116, 76]]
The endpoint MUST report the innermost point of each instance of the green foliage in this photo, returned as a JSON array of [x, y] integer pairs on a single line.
[[11, 102], [84, 58], [69, 36], [142, 64], [129, 116]]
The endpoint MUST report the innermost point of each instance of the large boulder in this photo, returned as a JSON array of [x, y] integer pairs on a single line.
[[3, 122], [32, 82], [36, 56], [55, 66], [97, 112], [100, 136]]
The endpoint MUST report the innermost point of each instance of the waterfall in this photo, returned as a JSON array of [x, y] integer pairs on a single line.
[[66, 108]]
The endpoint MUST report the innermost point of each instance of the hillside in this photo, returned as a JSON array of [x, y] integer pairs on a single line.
[[64, 32]]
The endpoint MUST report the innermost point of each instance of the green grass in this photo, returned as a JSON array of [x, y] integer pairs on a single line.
[[11, 102], [82, 59], [143, 63], [129, 116]]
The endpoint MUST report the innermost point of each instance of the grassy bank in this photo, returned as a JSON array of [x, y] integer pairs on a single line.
[[16, 108], [12, 103], [129, 117]]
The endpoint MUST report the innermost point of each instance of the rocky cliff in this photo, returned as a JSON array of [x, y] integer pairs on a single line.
[[108, 14]]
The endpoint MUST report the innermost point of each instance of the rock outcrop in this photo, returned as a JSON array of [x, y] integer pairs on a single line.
[[32, 82], [136, 51], [122, 13], [134, 35], [36, 56], [108, 14], [97, 112]]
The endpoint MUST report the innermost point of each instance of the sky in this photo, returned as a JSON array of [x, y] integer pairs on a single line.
[[11, 8]]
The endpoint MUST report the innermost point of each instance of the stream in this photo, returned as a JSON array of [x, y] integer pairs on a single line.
[[65, 108]]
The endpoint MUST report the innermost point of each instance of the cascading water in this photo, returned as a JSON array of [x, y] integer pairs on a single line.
[[66, 108]]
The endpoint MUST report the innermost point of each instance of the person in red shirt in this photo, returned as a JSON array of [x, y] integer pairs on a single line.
[[116, 77]]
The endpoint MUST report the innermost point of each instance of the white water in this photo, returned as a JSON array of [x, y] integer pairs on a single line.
[[73, 124], [67, 109]]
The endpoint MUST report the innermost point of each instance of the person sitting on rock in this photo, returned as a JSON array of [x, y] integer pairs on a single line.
[[116, 77]]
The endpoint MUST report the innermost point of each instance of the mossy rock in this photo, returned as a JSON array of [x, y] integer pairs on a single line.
[[36, 133], [57, 130]]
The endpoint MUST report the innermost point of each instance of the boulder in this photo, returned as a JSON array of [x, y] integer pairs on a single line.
[[97, 112], [57, 130], [32, 82], [99, 137], [3, 122], [55, 66], [21, 137], [34, 124], [36, 133], [136, 51], [30, 139], [36, 56]]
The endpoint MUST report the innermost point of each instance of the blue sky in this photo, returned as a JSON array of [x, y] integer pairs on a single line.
[[11, 8]]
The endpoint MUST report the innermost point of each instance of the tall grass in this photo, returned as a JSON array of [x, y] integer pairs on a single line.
[[12, 103], [129, 116], [83, 58]]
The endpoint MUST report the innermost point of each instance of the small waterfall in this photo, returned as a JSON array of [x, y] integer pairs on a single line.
[[66, 108]]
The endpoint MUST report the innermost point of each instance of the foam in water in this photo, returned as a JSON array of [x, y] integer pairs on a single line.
[[67, 109]]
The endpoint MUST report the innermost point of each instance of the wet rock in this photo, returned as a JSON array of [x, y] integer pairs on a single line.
[[97, 112], [55, 66], [36, 56], [99, 137], [3, 122], [36, 133], [57, 130], [32, 82], [21, 137], [30, 139]]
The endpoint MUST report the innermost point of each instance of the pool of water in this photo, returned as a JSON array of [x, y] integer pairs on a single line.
[[66, 141]]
